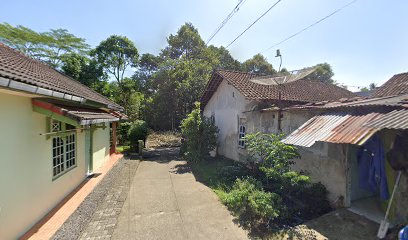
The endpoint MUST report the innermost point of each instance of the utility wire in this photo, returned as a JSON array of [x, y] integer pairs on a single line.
[[236, 9], [254, 22], [310, 26]]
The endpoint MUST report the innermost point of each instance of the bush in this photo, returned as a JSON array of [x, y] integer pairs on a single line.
[[228, 174], [200, 135], [301, 198], [250, 203], [122, 131], [137, 131]]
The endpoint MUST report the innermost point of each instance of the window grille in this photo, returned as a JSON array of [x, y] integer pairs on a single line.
[[63, 148], [242, 132]]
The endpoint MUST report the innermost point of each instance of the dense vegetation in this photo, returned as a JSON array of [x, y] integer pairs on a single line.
[[160, 89], [264, 194], [200, 135]]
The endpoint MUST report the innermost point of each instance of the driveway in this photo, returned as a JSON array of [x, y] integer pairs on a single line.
[[166, 202]]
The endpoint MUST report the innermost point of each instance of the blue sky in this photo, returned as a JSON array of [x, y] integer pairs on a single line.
[[366, 42]]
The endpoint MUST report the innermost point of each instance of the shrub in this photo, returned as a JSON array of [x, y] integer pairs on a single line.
[[200, 135], [250, 203], [228, 174], [302, 199], [122, 131], [137, 131]]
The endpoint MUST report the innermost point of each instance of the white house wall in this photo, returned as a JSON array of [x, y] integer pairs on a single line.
[[27, 189], [227, 104]]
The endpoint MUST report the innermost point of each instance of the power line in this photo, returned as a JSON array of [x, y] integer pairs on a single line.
[[254, 23], [310, 26], [236, 9]]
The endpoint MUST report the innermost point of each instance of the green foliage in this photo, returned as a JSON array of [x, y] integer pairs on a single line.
[[200, 135], [49, 47], [137, 131], [268, 151], [186, 43], [299, 194], [258, 65], [248, 201], [323, 72], [122, 131], [116, 54]]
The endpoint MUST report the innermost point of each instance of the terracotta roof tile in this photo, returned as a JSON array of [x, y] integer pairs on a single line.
[[297, 91], [397, 85], [17, 66]]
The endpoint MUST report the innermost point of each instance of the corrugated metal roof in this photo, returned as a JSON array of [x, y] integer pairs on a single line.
[[394, 102], [334, 128], [397, 119]]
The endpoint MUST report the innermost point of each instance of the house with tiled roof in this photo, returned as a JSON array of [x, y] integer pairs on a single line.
[[396, 85], [55, 132], [236, 102]]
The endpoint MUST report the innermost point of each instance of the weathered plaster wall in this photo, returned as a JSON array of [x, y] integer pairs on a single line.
[[227, 104], [267, 121], [101, 146], [325, 163]]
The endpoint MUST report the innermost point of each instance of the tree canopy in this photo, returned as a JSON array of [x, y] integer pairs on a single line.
[[258, 65], [49, 47], [161, 89], [116, 54]]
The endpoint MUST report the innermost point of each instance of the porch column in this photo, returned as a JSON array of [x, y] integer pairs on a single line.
[[114, 137]]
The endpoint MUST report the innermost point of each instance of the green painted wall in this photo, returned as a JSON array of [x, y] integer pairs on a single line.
[[100, 145]]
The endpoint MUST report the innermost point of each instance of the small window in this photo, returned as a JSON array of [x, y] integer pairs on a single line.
[[63, 148], [213, 117], [241, 132]]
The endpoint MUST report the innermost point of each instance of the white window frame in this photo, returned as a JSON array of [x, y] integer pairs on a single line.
[[241, 131], [63, 149]]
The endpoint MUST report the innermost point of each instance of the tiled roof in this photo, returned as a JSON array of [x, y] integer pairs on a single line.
[[18, 67], [297, 91], [397, 85]]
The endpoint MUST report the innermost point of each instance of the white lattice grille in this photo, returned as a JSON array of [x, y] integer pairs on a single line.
[[70, 150], [57, 155], [63, 148], [55, 125]]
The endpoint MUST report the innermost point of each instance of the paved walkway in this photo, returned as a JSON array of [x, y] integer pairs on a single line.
[[166, 202]]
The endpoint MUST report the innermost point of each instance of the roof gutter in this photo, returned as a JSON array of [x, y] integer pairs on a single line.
[[19, 86]]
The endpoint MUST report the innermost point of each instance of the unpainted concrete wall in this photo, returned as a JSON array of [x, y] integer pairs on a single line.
[[325, 163], [227, 105]]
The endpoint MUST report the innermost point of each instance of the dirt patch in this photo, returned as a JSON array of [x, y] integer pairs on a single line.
[[343, 224], [163, 140]]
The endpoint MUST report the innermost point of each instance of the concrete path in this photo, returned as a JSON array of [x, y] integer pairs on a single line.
[[166, 202]]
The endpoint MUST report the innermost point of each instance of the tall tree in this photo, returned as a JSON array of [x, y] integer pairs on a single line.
[[323, 72], [49, 47], [116, 54], [258, 65], [87, 71], [148, 65], [224, 59], [186, 43]]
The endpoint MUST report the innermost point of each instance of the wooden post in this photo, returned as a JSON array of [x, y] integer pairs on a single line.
[[114, 137]]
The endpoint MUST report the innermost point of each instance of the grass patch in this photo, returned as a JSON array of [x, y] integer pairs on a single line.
[[122, 149]]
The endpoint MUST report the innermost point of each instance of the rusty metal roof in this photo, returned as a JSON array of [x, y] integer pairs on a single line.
[[397, 119], [334, 128]]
